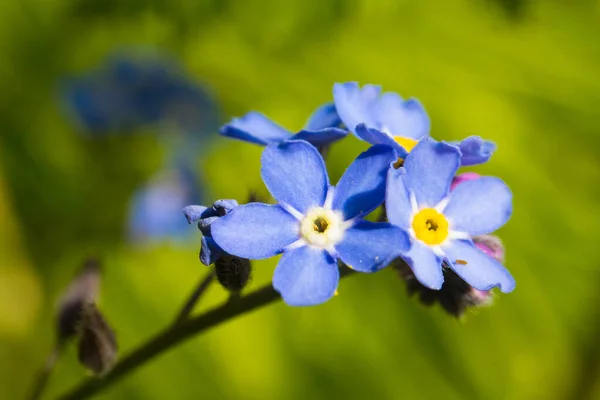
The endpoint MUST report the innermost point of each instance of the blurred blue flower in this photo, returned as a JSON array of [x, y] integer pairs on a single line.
[[386, 118], [321, 129], [128, 93], [154, 212], [205, 216], [131, 92], [314, 224], [442, 223]]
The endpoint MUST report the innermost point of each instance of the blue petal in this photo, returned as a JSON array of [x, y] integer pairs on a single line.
[[475, 150], [321, 137], [193, 213], [306, 276], [295, 174], [218, 209], [353, 104], [210, 251], [256, 128], [370, 246], [362, 187], [397, 199], [325, 116], [401, 118], [426, 266], [479, 206], [223, 206], [480, 271], [375, 136], [255, 231], [205, 222], [430, 167]]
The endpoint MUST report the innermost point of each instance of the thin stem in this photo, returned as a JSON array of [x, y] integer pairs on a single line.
[[175, 335], [41, 379], [188, 307]]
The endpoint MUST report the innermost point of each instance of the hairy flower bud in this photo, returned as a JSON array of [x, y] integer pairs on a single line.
[[455, 296], [233, 273], [491, 245], [97, 348], [82, 291], [467, 176]]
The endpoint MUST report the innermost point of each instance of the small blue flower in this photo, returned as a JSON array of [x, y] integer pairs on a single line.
[[386, 118], [314, 224], [154, 208], [205, 216], [321, 129], [441, 223]]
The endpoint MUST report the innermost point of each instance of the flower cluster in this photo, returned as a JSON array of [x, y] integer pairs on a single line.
[[434, 220]]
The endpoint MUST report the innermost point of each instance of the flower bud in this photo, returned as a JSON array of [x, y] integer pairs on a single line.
[[97, 348], [491, 245], [455, 296], [467, 176], [233, 273], [82, 291], [478, 298]]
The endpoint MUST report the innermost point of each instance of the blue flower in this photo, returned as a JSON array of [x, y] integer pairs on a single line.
[[442, 223], [321, 129], [386, 118], [205, 216], [153, 214], [128, 92], [314, 224]]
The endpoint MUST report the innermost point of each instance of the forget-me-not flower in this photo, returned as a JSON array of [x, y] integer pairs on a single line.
[[314, 224], [127, 93], [441, 223], [386, 118], [321, 129], [205, 216], [154, 209]]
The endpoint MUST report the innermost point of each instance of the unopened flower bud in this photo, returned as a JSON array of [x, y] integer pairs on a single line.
[[478, 298], [233, 273], [97, 349], [455, 296], [82, 291], [491, 245], [467, 176]]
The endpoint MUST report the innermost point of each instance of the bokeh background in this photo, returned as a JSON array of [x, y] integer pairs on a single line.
[[523, 73]]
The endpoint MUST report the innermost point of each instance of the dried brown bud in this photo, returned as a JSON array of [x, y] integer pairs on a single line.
[[97, 348], [83, 290]]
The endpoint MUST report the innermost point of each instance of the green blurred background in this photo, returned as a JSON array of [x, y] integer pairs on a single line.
[[525, 74]]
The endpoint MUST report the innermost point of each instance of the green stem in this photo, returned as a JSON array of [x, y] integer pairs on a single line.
[[42, 378], [175, 335], [188, 307]]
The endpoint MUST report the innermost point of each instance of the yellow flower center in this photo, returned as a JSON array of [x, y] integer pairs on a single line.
[[321, 227], [320, 224], [430, 226], [407, 144]]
